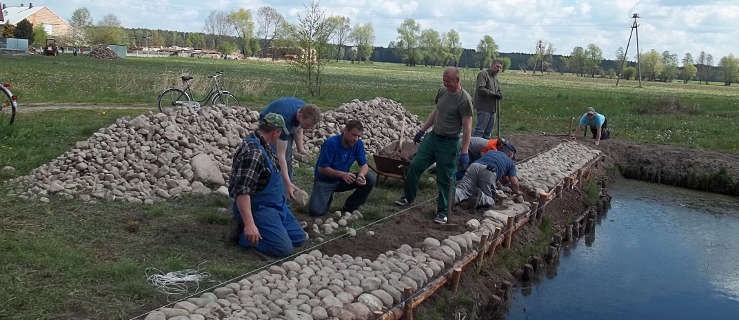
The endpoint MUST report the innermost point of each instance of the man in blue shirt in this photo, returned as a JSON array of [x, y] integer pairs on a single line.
[[596, 122], [481, 177], [298, 116], [332, 172]]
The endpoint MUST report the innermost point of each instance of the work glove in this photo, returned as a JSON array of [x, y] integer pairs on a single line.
[[419, 136], [499, 96], [464, 161]]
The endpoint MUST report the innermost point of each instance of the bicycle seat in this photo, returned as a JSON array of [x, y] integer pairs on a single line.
[[185, 78]]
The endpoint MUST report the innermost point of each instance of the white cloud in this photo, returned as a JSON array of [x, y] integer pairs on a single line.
[[676, 25]]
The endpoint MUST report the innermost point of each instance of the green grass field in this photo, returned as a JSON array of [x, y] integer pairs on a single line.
[[69, 260]]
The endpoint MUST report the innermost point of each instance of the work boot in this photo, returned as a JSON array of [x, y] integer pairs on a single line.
[[402, 202], [440, 219]]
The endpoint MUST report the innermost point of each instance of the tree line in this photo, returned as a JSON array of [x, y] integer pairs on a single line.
[[317, 37]]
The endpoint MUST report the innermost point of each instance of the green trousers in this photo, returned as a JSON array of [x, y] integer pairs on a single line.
[[443, 151]]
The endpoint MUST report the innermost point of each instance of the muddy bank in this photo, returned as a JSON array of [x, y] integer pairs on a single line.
[[682, 167]]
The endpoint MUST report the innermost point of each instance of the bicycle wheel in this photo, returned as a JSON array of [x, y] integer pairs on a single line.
[[170, 99], [226, 99], [7, 108]]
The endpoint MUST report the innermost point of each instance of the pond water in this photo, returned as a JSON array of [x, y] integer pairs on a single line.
[[659, 253]]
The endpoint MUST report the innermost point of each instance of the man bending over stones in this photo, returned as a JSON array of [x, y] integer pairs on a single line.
[[597, 123], [332, 171], [298, 116], [478, 184], [260, 209]]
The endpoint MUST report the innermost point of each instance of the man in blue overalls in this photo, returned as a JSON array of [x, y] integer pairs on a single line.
[[255, 184]]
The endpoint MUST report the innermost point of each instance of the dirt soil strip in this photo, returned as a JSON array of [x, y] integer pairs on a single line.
[[37, 107]]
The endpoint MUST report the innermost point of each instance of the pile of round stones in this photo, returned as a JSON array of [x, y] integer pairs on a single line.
[[546, 170], [156, 156]]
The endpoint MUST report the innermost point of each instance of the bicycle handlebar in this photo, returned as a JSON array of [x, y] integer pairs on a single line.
[[216, 75]]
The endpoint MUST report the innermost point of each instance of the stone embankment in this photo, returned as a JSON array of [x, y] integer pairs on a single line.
[[318, 286], [157, 156]]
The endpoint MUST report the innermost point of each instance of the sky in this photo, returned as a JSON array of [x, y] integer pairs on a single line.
[[678, 26]]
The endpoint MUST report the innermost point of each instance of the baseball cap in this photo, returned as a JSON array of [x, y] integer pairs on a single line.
[[274, 120], [591, 110]]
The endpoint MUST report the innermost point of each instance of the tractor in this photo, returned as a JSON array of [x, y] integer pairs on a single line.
[[50, 49]]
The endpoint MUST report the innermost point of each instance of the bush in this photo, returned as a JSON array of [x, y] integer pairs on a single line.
[[667, 105]]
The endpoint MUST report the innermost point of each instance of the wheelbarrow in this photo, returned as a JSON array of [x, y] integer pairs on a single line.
[[388, 167], [391, 162]]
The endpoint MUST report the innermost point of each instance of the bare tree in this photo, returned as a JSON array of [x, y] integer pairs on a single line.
[[217, 24], [270, 22], [342, 27]]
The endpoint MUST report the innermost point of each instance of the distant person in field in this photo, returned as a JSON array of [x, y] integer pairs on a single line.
[[298, 116], [487, 99], [597, 123], [333, 171], [261, 217]]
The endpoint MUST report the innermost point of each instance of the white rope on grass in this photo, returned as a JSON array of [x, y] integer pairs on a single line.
[[176, 282]]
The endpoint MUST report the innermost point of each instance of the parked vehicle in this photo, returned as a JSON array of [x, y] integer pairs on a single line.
[[50, 49]]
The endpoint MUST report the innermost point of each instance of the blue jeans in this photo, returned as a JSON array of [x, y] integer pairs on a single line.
[[323, 194], [279, 229], [485, 124]]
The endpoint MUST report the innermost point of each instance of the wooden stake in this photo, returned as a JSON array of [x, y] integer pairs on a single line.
[[569, 234], [482, 252], [509, 232], [408, 307], [456, 276]]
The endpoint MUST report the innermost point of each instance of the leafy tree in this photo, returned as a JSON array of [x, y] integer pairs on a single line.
[[729, 66], [227, 47], [254, 46], [342, 27], [270, 25], [452, 46], [108, 31], [651, 64], [670, 70], [363, 36], [593, 58], [629, 72], [39, 36], [24, 30], [8, 30], [576, 61], [506, 62], [689, 70], [430, 45], [407, 44], [312, 33], [80, 22], [704, 64], [242, 22], [487, 51]]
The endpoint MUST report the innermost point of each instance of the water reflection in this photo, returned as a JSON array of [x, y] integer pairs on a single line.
[[661, 252]]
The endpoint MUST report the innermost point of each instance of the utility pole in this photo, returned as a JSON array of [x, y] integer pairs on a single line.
[[634, 29]]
